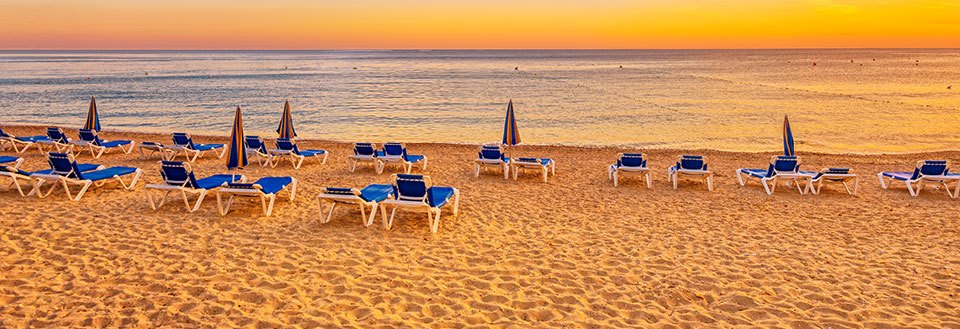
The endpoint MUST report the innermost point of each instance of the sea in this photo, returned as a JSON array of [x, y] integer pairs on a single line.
[[863, 101]]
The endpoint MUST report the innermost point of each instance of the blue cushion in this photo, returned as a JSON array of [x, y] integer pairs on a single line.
[[206, 147], [758, 173], [269, 185], [107, 173], [5, 159], [898, 175], [376, 192], [310, 153], [438, 196], [215, 181], [112, 144], [414, 158]]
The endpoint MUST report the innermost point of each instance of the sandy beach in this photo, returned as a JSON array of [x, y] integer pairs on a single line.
[[573, 252]]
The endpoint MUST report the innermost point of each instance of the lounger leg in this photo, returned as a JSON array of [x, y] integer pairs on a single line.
[[363, 213], [797, 183], [268, 209], [293, 189], [222, 152], [388, 223], [882, 183], [83, 190], [647, 178], [740, 177], [544, 176], [353, 165], [436, 223], [476, 173], [423, 166], [456, 201], [710, 182], [373, 214], [616, 178], [196, 206], [910, 188], [506, 171], [767, 187]]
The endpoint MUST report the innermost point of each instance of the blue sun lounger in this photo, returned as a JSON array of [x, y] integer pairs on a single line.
[[179, 177], [364, 152], [91, 139], [781, 167], [491, 155], [416, 192], [545, 166], [691, 166], [154, 147], [369, 196], [183, 144], [57, 139], [66, 171], [926, 171], [255, 146], [35, 178], [397, 153], [629, 163], [832, 175], [19, 144], [265, 188], [288, 148]]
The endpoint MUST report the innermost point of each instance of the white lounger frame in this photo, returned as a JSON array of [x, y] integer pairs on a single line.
[[398, 159], [548, 169], [187, 151], [295, 159], [256, 152], [349, 199], [814, 186], [614, 172], [433, 213], [770, 183], [35, 182], [674, 173], [13, 141], [266, 200], [98, 151], [158, 148], [166, 189]]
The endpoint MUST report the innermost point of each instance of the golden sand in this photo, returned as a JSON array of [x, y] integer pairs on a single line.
[[573, 252]]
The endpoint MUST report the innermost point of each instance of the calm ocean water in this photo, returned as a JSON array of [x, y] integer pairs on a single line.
[[851, 101]]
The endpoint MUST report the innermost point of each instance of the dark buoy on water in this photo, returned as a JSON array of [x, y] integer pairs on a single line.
[[949, 87], [814, 63], [516, 68], [621, 66]]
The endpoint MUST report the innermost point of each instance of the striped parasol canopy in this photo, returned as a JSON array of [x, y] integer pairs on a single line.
[[511, 133], [237, 156], [286, 123], [93, 117], [787, 138]]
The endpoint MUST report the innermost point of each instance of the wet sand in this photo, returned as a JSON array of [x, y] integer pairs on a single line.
[[573, 252]]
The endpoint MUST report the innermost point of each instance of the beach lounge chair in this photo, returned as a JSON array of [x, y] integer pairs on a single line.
[[183, 144], [416, 192], [926, 171], [492, 156], [19, 144], [9, 161], [150, 148], [629, 163], [781, 167], [691, 166], [287, 148], [265, 188], [369, 196], [364, 152], [66, 171], [832, 175], [397, 153], [544, 165], [36, 178], [91, 139], [57, 139], [179, 177], [256, 147]]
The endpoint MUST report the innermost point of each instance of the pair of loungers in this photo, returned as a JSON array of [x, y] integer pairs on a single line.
[[390, 153], [787, 169], [406, 192], [687, 166], [65, 171], [936, 172], [184, 145], [179, 177], [286, 148], [491, 156]]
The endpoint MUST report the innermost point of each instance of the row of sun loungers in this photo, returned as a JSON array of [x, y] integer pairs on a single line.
[[491, 156]]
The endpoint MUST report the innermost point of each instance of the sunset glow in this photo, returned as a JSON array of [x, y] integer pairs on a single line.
[[382, 24]]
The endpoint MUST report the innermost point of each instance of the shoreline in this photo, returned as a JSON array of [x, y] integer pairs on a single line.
[[41, 131], [572, 252]]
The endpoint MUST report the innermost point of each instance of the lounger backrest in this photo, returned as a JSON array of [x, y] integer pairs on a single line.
[[395, 149], [5, 135], [56, 134], [178, 174], [364, 149], [286, 144], [632, 160], [786, 163], [491, 152], [183, 139], [64, 164], [692, 162], [89, 135], [411, 187], [255, 143], [931, 168]]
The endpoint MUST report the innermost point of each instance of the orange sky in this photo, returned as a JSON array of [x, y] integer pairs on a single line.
[[386, 24]]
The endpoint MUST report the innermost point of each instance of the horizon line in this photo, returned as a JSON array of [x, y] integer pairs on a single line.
[[486, 49]]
